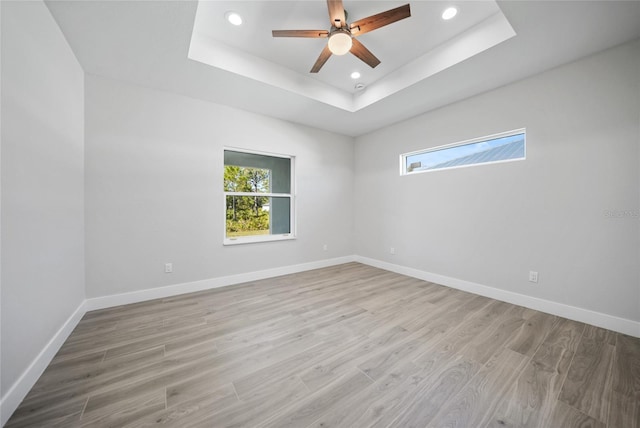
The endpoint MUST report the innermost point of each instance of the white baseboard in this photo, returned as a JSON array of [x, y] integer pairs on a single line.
[[25, 382], [610, 322], [207, 284]]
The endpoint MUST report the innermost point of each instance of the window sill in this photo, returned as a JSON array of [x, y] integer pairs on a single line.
[[257, 239]]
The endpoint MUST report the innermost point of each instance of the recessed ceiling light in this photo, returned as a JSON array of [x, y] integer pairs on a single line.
[[233, 17], [355, 75], [449, 13]]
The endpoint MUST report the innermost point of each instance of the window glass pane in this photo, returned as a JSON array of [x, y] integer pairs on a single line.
[[247, 216], [503, 148], [280, 168], [246, 179], [257, 215], [280, 209]]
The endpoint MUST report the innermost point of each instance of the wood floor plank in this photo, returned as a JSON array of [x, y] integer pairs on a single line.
[[532, 397], [432, 315], [495, 335], [273, 328], [381, 362], [365, 408], [235, 365], [624, 409], [477, 400], [566, 416], [587, 387], [69, 371], [458, 337], [336, 365], [49, 420], [141, 367], [283, 367], [308, 410], [201, 408], [532, 333], [257, 407], [123, 412], [343, 346], [52, 410], [441, 380]]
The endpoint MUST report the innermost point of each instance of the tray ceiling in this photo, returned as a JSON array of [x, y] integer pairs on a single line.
[[410, 50]]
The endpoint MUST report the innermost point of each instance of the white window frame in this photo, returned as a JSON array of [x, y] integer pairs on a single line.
[[404, 156], [292, 205]]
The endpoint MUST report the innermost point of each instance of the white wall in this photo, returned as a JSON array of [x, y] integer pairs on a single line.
[[491, 224], [154, 167], [42, 186]]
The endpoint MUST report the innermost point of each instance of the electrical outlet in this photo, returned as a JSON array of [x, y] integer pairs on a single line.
[[392, 250], [168, 267], [325, 247], [533, 276]]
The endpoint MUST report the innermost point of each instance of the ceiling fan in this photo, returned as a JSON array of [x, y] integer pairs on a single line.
[[342, 35]]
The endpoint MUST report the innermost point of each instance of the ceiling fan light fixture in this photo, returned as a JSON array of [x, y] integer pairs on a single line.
[[340, 42]]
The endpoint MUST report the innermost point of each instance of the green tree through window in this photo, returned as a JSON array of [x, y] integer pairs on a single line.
[[247, 215]]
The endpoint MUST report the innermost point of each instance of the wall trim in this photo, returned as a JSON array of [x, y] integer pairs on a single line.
[[25, 382], [599, 319], [207, 284]]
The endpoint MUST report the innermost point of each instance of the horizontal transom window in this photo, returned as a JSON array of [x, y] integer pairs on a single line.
[[503, 147]]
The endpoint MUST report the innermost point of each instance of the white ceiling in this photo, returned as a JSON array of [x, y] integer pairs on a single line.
[[425, 63]]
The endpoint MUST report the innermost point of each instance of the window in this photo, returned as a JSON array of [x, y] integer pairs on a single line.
[[258, 197], [504, 147]]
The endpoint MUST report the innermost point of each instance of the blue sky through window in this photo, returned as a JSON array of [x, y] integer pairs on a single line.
[[502, 148]]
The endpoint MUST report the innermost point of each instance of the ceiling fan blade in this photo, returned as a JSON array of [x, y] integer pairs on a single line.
[[336, 13], [380, 20], [300, 33], [324, 56], [359, 50]]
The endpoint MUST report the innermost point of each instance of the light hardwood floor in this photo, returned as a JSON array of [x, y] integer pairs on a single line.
[[349, 346]]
